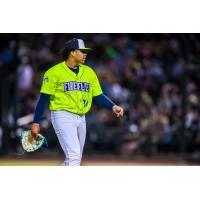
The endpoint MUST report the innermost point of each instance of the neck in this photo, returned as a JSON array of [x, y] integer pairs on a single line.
[[71, 63]]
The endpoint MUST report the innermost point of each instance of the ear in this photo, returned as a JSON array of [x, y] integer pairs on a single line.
[[73, 53]]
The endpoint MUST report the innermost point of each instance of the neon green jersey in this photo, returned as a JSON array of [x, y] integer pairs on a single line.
[[69, 91]]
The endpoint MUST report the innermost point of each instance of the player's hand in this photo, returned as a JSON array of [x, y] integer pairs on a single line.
[[119, 111], [35, 129]]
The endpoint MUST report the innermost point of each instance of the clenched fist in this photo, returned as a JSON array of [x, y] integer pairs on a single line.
[[119, 111]]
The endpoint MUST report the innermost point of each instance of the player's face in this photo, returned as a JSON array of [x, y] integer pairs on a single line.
[[80, 56]]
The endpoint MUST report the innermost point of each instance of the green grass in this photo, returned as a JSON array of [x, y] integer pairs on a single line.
[[29, 163], [85, 163]]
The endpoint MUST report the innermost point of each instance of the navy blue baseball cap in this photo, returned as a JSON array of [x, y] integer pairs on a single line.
[[76, 44]]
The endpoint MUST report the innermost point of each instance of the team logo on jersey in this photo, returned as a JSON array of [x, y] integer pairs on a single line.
[[80, 86]]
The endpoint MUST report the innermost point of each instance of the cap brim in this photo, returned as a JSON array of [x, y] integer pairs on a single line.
[[85, 49]]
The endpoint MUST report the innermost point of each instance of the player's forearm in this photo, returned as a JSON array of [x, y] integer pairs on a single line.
[[41, 105], [104, 101]]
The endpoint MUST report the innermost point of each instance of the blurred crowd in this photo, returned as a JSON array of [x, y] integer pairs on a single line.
[[155, 77]]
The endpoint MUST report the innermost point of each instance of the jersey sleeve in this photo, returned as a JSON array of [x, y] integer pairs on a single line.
[[95, 86], [49, 83]]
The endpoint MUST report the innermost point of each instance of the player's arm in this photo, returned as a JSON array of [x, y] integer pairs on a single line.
[[41, 106], [47, 89], [103, 99], [106, 102]]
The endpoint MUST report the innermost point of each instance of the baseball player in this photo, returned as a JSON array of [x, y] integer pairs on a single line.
[[69, 88]]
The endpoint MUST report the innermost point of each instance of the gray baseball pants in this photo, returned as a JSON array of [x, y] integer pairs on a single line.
[[71, 132]]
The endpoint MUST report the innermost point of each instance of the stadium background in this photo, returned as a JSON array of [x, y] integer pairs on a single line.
[[155, 77]]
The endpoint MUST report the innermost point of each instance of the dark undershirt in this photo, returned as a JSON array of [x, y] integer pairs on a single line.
[[75, 70]]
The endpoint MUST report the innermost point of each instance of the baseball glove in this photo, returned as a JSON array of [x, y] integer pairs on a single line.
[[29, 143]]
